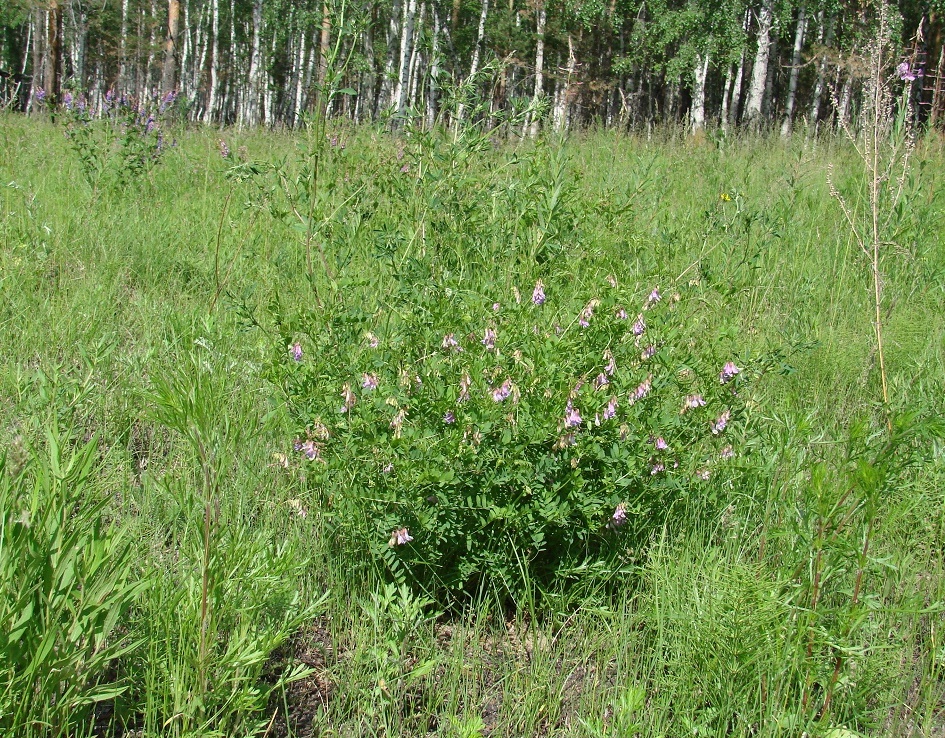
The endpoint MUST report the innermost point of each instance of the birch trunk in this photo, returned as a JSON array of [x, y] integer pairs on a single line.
[[788, 123], [826, 37], [477, 51], [415, 58], [39, 33], [385, 99], [185, 53], [251, 100], [299, 80], [726, 97], [214, 63], [563, 102], [123, 49], [152, 46], [434, 68], [323, 46], [541, 20], [406, 54], [700, 73], [169, 72], [759, 71], [53, 51]]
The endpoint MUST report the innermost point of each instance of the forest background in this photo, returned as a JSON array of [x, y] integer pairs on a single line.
[[613, 63]]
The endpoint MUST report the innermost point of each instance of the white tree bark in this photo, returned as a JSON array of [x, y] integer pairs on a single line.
[[250, 106], [123, 49], [299, 79], [759, 71], [825, 37], [434, 68], [799, 33], [477, 51], [210, 112], [540, 22], [699, 75], [406, 57]]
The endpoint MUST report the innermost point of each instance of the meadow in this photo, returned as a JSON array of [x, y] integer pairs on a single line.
[[266, 472]]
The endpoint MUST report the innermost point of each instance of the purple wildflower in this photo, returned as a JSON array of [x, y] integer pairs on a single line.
[[538, 294], [584, 320], [619, 517], [703, 474], [296, 351], [400, 537], [611, 410], [489, 339], [572, 417], [67, 100], [372, 340], [639, 326], [311, 450], [648, 353], [621, 313], [653, 298], [464, 384], [657, 468], [601, 381], [369, 381], [728, 372], [660, 444], [692, 401], [611, 367], [449, 418], [405, 168], [904, 70], [719, 425], [297, 445], [496, 307], [39, 95], [642, 390], [501, 393], [726, 453], [224, 149]]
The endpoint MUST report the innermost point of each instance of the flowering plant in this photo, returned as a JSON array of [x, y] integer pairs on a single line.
[[469, 439], [118, 141]]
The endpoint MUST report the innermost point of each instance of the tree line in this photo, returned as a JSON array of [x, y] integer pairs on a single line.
[[550, 63]]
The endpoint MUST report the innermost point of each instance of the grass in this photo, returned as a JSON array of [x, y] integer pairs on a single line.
[[109, 296]]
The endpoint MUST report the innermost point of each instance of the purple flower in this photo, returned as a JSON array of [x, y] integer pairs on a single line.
[[726, 453], [639, 326], [310, 449], [572, 417], [388, 468], [584, 320], [168, 100], [501, 393], [648, 353], [619, 517], [728, 372], [405, 168], [296, 351], [538, 294], [621, 313], [400, 537], [496, 307], [660, 444], [39, 95], [369, 381], [489, 339], [703, 474], [719, 425], [397, 423], [464, 384], [657, 468], [601, 381], [348, 396], [224, 149], [611, 367], [449, 418], [904, 70], [652, 298], [692, 401], [67, 100], [642, 390], [611, 410], [372, 340], [297, 445]]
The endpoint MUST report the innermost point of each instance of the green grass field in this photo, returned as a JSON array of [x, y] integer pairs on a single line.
[[169, 565]]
